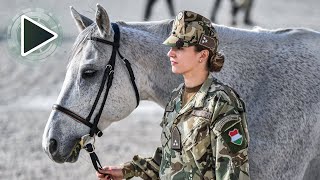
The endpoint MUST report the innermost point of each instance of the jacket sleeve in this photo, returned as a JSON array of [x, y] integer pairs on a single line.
[[145, 168], [229, 138]]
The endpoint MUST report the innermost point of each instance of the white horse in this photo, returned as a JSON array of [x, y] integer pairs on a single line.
[[277, 73]]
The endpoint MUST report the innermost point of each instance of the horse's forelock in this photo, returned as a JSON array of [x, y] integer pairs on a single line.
[[79, 43]]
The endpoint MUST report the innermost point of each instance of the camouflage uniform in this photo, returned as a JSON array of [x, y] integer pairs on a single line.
[[207, 138]]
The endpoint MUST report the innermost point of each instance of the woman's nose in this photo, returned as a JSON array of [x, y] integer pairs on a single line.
[[171, 53]]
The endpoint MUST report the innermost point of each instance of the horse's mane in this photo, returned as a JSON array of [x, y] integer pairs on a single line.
[[157, 28], [162, 30]]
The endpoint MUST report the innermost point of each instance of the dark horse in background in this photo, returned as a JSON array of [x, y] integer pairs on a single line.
[[236, 5]]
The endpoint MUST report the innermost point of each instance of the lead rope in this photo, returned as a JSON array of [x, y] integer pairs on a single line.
[[94, 158], [89, 147]]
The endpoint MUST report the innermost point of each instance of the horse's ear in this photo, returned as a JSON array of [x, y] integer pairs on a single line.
[[103, 21], [81, 21]]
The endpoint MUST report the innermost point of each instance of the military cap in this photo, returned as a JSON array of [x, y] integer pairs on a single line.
[[189, 29]]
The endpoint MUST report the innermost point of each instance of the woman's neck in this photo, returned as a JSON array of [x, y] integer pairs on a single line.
[[195, 79]]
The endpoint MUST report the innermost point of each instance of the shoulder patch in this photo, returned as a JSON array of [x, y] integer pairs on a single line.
[[229, 120], [234, 136]]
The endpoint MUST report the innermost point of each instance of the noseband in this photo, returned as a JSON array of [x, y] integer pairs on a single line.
[[107, 79]]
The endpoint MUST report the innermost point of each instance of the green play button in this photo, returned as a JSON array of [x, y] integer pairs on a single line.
[[34, 35]]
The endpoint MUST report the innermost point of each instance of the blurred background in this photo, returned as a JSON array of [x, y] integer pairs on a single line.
[[27, 92]]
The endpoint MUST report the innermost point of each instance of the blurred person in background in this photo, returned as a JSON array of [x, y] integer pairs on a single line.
[[244, 5], [149, 6]]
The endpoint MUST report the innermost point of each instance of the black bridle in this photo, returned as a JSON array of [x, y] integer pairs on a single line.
[[107, 79]]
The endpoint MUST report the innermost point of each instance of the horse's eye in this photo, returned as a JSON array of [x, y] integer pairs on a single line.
[[88, 73]]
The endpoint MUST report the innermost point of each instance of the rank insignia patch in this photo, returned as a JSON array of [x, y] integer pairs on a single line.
[[207, 41], [176, 139]]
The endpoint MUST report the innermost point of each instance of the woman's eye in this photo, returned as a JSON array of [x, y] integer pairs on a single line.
[[179, 48], [88, 73]]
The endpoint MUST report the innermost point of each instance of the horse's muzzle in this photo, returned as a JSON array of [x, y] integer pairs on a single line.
[[52, 150]]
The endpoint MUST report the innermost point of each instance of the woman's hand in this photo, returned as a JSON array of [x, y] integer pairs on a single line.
[[110, 173]]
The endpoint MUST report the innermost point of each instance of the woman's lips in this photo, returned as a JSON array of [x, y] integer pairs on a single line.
[[173, 63]]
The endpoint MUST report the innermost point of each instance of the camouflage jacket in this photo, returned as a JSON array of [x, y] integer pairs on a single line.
[[206, 139]]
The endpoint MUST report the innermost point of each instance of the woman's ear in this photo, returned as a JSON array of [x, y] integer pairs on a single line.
[[204, 54]]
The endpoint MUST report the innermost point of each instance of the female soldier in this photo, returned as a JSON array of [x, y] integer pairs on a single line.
[[204, 132]]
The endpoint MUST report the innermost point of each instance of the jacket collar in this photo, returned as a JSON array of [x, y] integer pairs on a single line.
[[198, 99], [201, 94]]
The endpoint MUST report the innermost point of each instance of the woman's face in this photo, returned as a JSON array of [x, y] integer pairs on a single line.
[[184, 60]]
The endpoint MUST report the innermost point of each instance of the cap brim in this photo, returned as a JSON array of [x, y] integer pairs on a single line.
[[171, 41]]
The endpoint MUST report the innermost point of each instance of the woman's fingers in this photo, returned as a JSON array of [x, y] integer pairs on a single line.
[[106, 170], [104, 176], [110, 172], [99, 175]]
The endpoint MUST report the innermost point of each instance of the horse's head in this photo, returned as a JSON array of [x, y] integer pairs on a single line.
[[81, 96]]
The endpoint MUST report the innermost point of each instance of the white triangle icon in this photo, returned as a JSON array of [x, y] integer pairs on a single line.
[[54, 35]]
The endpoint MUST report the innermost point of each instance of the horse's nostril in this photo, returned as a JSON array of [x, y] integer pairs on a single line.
[[53, 145]]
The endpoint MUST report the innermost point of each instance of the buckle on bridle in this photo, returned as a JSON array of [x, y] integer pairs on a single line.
[[99, 134], [110, 70], [89, 148], [109, 66], [85, 140]]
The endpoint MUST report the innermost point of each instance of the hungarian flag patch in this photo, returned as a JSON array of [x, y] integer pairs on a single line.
[[236, 138], [233, 134]]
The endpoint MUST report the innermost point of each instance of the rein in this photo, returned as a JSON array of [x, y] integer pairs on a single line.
[[106, 80]]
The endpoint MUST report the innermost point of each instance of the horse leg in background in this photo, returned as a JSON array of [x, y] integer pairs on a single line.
[[171, 8], [247, 16], [234, 12], [214, 10], [148, 10]]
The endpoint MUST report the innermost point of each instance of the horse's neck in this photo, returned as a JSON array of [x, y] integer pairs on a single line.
[[142, 42]]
